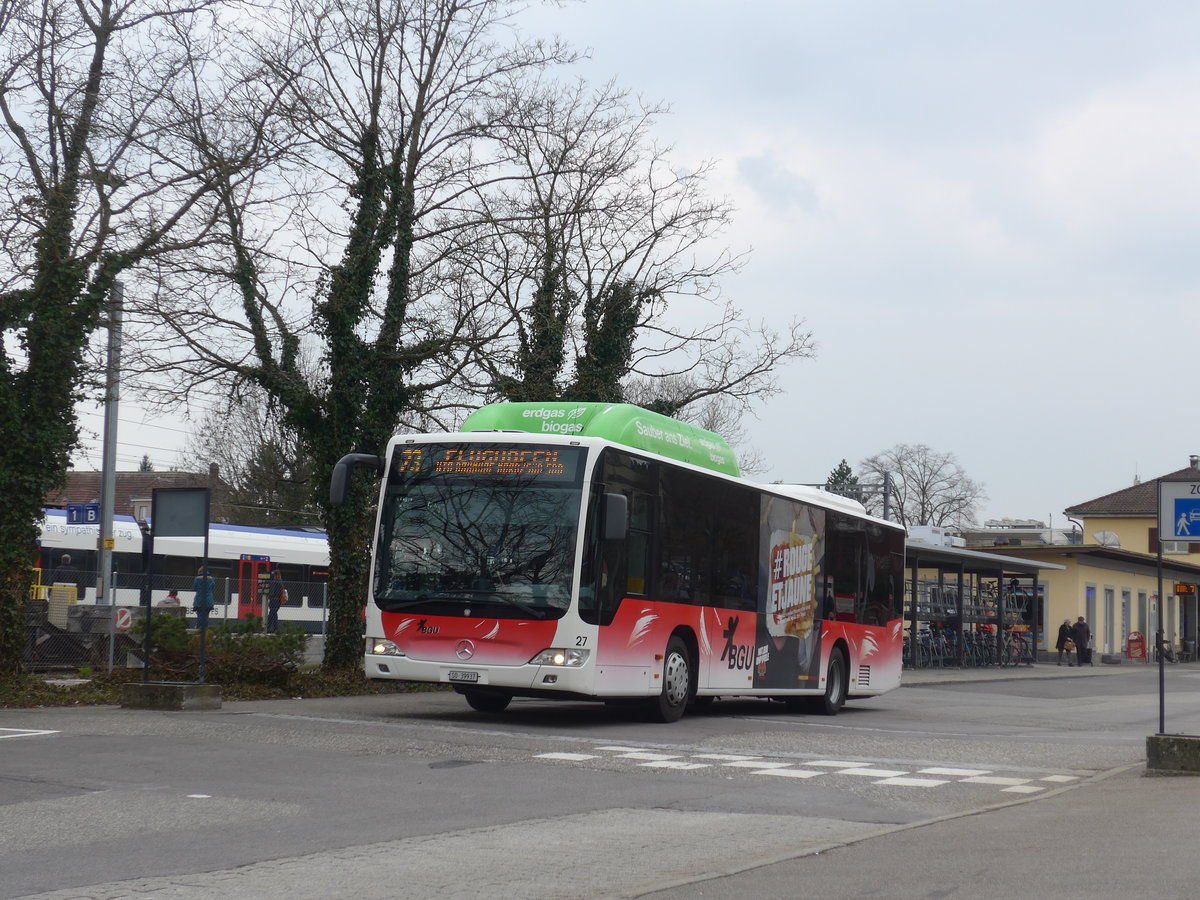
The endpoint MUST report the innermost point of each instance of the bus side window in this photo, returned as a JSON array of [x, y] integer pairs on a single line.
[[637, 564], [686, 524], [735, 549]]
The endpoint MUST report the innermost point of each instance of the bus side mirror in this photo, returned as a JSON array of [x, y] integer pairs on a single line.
[[616, 517], [341, 474]]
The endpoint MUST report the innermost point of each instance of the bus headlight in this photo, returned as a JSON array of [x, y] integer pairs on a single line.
[[385, 648], [571, 657]]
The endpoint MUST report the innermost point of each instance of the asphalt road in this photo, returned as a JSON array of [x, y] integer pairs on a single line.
[[955, 785]]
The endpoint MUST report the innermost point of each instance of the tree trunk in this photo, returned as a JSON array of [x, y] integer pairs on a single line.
[[349, 531]]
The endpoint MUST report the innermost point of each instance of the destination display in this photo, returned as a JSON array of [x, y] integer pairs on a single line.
[[492, 461]]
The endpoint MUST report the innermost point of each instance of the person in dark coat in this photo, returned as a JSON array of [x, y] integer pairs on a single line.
[[1064, 635], [66, 573], [275, 595], [1081, 633]]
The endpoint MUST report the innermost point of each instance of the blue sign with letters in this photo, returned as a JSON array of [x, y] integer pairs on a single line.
[[83, 513], [1187, 518]]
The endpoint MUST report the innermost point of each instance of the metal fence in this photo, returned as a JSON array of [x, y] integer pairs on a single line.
[[66, 628]]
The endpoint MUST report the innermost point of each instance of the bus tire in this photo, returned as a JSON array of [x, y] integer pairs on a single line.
[[488, 701], [678, 683], [837, 684]]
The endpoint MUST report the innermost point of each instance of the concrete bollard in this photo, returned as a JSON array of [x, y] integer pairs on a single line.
[[171, 695], [1173, 754]]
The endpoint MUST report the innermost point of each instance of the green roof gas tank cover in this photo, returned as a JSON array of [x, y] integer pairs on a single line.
[[621, 423]]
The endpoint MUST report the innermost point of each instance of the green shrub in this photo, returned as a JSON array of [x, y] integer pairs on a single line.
[[235, 653]]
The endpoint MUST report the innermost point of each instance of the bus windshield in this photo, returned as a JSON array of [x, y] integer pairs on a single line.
[[479, 529]]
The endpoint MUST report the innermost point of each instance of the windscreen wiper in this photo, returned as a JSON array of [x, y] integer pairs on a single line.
[[468, 597], [504, 598], [393, 606]]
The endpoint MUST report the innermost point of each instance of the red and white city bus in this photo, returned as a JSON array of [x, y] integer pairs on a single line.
[[600, 551]]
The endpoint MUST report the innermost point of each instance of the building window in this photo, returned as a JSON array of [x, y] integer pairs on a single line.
[[1110, 621]]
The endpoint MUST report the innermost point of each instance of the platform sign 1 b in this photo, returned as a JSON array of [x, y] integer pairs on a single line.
[[1179, 511], [83, 513]]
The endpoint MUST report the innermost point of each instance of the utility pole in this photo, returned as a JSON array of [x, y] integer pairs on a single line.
[[112, 397], [108, 489]]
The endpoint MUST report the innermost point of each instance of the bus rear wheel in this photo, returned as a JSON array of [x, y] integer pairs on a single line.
[[488, 701], [836, 685], [677, 683]]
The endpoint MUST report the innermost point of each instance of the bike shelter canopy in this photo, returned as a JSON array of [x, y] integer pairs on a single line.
[[969, 588]]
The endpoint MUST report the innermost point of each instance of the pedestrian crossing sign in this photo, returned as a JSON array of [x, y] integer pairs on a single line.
[[1187, 518], [1179, 511]]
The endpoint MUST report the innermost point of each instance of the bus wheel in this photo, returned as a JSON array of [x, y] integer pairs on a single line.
[[676, 691], [836, 684], [487, 701]]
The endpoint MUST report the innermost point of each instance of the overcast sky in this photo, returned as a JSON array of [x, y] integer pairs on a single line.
[[984, 211]]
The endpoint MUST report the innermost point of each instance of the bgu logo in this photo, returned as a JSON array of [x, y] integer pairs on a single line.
[[427, 629], [738, 655]]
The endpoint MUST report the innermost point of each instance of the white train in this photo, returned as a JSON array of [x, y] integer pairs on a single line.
[[241, 558]]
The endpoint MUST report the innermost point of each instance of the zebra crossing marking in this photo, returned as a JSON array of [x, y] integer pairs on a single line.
[[806, 769]]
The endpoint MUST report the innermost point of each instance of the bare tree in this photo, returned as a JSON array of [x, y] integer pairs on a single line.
[[266, 476], [716, 413], [92, 184], [593, 244], [929, 488], [364, 136]]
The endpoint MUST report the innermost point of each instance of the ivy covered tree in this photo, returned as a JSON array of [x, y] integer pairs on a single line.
[[364, 131], [93, 185]]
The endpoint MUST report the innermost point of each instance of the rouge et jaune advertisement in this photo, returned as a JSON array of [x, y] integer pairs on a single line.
[[787, 652]]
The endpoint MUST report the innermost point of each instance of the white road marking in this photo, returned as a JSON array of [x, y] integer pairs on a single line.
[[723, 756], [653, 759], [756, 764], [23, 732], [673, 764], [914, 782], [644, 754], [995, 779], [575, 757]]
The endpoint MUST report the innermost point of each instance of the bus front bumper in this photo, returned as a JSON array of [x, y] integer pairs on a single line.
[[567, 679]]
